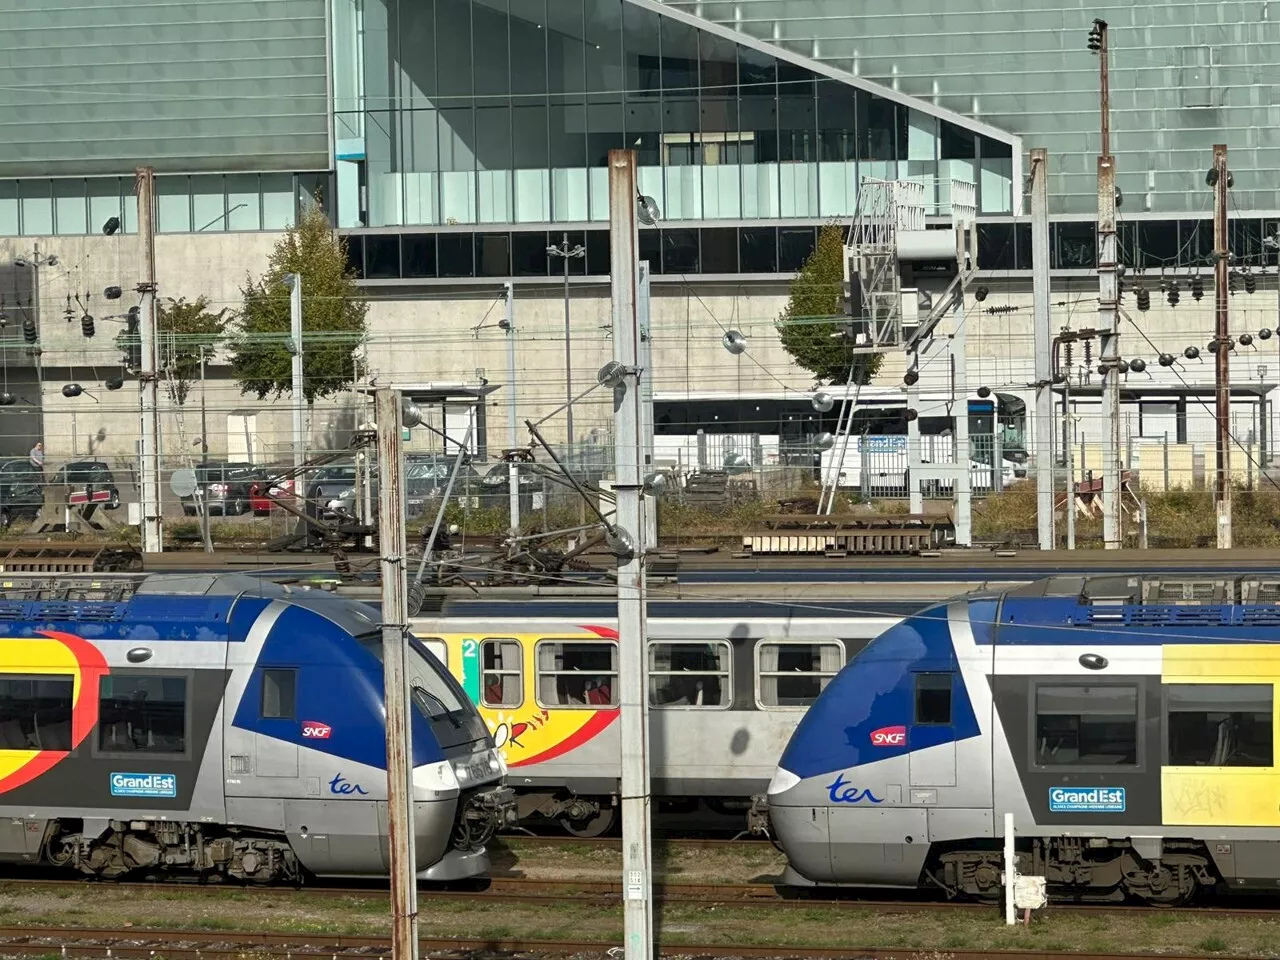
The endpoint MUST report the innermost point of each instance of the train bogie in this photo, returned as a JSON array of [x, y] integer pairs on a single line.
[[1132, 741]]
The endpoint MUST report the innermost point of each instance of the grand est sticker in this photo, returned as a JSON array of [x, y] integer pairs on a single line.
[[65, 667]]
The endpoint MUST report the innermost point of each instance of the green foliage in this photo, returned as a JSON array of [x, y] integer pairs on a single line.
[[813, 313], [333, 316], [185, 328]]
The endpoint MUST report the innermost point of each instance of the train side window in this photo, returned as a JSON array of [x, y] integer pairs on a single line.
[[503, 669], [792, 674], [1220, 724], [279, 694], [691, 673], [142, 714], [933, 699], [35, 712], [1086, 725], [575, 673]]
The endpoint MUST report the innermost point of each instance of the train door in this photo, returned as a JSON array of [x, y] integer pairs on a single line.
[[276, 757]]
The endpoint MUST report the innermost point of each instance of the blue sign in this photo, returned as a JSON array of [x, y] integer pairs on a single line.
[[841, 792], [884, 444], [343, 788], [144, 785], [1086, 800]]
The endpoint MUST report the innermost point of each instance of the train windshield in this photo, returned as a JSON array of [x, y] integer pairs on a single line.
[[435, 695]]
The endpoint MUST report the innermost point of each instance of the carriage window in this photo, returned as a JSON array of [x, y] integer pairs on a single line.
[[690, 674], [793, 674], [35, 712], [933, 698], [503, 676], [572, 673], [142, 714], [1220, 724], [1086, 725], [279, 694]]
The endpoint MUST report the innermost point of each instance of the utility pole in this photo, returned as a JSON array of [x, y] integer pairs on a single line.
[[1220, 178], [395, 621], [1043, 345], [513, 428], [204, 410], [152, 525], [646, 403], [294, 282], [1108, 303], [637, 873]]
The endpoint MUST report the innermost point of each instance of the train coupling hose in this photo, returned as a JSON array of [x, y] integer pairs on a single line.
[[758, 817]]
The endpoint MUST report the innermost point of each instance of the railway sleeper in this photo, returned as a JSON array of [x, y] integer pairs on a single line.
[[112, 849], [1084, 868]]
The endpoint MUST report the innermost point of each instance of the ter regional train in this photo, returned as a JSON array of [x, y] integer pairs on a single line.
[[725, 693], [221, 726], [1128, 724]]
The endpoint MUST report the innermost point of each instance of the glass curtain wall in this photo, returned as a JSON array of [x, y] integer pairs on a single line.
[[503, 111]]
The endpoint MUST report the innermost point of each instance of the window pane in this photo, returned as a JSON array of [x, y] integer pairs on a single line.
[[209, 202], [243, 202], [793, 674], [1220, 725], [598, 252], [104, 202], [933, 698], [69, 206], [493, 255], [457, 255], [382, 257], [566, 48], [173, 205], [37, 207], [490, 51], [995, 246], [577, 674], [418, 255], [720, 251], [277, 201], [1082, 725], [1077, 245], [529, 255], [355, 255], [1158, 243], [758, 247], [689, 674], [9, 208], [35, 712], [279, 694], [142, 714], [502, 663], [680, 251], [795, 245]]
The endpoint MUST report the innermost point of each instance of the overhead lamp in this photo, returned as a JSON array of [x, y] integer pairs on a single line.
[[411, 415], [734, 342], [647, 210], [111, 226]]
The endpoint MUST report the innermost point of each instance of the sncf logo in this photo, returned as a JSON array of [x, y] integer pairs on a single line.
[[316, 731], [889, 737]]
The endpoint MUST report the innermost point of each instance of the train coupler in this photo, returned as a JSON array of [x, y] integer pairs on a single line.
[[758, 817]]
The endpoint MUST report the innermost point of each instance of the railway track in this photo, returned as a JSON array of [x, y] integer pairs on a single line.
[[515, 888], [173, 944]]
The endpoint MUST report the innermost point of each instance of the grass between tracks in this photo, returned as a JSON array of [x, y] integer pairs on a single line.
[[845, 925]]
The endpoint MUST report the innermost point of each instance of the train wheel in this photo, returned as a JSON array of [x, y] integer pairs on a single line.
[[593, 826]]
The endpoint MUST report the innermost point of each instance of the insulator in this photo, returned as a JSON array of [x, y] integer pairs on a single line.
[[1197, 288], [1233, 283], [1088, 353], [980, 294], [86, 325], [1122, 366], [911, 414], [29, 330], [1059, 378], [72, 390], [1102, 369], [1144, 299], [1264, 333], [1213, 346], [113, 383], [1191, 353], [1068, 354], [911, 378], [1174, 296], [7, 399], [1246, 339], [1167, 360], [984, 392], [1250, 283], [1138, 365]]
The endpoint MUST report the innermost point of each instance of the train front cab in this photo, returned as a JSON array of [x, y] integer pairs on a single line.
[[306, 745], [890, 756]]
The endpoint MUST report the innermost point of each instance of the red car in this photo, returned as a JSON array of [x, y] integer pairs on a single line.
[[261, 503]]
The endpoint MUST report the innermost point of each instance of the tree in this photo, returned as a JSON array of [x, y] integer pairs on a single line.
[[187, 328], [814, 312], [333, 316]]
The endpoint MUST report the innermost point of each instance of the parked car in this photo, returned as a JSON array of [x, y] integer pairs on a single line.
[[21, 491], [495, 487], [225, 487], [93, 476], [326, 488], [264, 495]]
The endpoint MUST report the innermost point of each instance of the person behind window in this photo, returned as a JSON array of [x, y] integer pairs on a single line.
[[37, 456]]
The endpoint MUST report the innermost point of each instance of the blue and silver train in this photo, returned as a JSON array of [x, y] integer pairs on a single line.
[[220, 726], [1128, 724]]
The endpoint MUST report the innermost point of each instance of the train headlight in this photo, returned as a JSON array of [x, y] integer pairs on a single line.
[[497, 765], [436, 778]]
